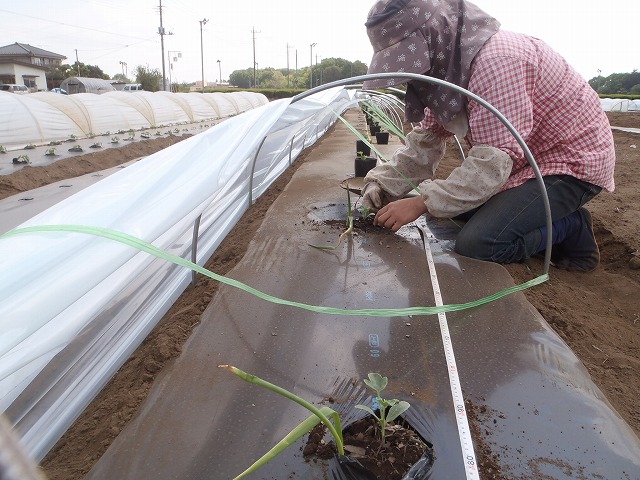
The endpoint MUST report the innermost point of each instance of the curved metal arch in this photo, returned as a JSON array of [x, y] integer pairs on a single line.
[[485, 104]]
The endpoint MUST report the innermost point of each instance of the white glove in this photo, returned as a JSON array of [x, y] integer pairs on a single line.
[[372, 197]]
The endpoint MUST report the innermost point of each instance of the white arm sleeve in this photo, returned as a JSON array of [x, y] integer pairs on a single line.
[[481, 175], [417, 160]]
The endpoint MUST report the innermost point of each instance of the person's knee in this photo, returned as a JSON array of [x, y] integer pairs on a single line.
[[480, 246], [470, 244]]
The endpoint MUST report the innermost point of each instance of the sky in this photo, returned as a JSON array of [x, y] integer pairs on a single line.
[[119, 35]]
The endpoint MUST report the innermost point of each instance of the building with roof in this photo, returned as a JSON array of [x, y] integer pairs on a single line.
[[24, 64]]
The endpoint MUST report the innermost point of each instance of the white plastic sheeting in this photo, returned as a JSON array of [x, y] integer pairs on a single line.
[[43, 117], [74, 307], [620, 105]]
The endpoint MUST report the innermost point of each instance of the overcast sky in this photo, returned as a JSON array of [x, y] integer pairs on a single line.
[[592, 36]]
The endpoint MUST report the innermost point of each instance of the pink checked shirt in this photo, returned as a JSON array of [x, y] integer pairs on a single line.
[[556, 112]]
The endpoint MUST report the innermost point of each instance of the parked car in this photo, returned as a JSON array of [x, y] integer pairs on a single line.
[[13, 88], [59, 90], [132, 87]]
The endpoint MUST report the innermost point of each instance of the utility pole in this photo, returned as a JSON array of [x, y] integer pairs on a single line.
[[295, 80], [162, 34], [202, 22], [253, 31], [219, 72], [77, 64], [289, 47], [311, 66]]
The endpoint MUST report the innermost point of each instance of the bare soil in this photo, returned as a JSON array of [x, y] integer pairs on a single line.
[[597, 313]]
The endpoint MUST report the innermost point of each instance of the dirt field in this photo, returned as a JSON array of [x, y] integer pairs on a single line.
[[597, 314]]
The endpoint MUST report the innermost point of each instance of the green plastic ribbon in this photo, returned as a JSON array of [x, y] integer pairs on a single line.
[[143, 246]]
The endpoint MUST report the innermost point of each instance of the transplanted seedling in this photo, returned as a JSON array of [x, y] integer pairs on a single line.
[[22, 160], [50, 152], [395, 407], [3, 149]]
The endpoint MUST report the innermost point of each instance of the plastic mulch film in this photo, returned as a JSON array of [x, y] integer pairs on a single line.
[[532, 404]]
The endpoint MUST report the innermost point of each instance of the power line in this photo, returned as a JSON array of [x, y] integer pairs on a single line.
[[70, 25]]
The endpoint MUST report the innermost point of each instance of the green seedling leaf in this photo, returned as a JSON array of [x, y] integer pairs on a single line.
[[376, 382], [368, 409], [396, 410], [292, 437]]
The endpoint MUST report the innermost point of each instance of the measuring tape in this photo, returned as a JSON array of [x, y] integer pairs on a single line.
[[464, 432]]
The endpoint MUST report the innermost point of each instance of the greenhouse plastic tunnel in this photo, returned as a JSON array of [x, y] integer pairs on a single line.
[[85, 297]]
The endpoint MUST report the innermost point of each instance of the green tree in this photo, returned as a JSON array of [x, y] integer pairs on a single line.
[[151, 80], [57, 74], [93, 71], [241, 78], [271, 78], [121, 78]]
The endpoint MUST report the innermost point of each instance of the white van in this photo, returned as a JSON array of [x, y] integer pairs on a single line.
[[10, 87], [132, 87]]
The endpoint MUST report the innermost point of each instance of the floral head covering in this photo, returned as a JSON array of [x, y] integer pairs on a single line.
[[439, 38]]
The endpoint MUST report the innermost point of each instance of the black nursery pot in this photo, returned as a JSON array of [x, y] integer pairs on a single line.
[[382, 138], [361, 146], [362, 166], [374, 129]]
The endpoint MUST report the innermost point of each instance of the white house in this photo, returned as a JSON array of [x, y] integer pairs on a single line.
[[24, 64]]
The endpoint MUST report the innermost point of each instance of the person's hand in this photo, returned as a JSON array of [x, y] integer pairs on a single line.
[[372, 197], [399, 213]]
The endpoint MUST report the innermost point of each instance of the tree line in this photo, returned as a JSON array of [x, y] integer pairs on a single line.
[[328, 70], [617, 84]]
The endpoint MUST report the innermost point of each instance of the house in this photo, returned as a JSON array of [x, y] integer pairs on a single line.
[[23, 64]]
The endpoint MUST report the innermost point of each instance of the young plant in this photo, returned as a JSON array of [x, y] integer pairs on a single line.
[[96, 145], [319, 415], [76, 148], [30, 146], [54, 142], [362, 156], [145, 135], [22, 160], [396, 407], [115, 140], [72, 138], [50, 152], [3, 149], [349, 229]]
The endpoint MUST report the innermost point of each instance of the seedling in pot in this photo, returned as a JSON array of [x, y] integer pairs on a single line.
[[395, 407]]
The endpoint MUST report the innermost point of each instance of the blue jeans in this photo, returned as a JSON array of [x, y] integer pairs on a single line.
[[506, 229]]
